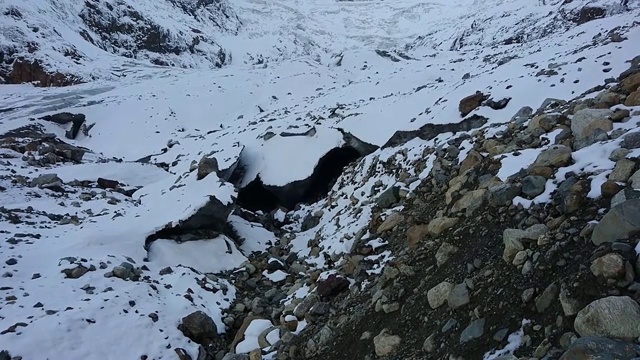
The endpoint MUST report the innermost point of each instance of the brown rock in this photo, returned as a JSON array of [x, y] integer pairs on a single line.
[[620, 114], [633, 99], [609, 188], [416, 233], [199, 327], [554, 156], [470, 201], [623, 170], [471, 102], [473, 158], [609, 266], [543, 171], [631, 83], [390, 222], [438, 225], [107, 184], [25, 71], [332, 285]]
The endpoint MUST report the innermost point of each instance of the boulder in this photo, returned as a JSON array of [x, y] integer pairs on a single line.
[[631, 83], [438, 225], [471, 102], [522, 114], [438, 295], [624, 195], [416, 233], [609, 266], [533, 185], [502, 194], [554, 156], [458, 296], [199, 327], [390, 222], [444, 253], [586, 121], [45, 179], [473, 331], [623, 170], [389, 197], [545, 122], [613, 316], [206, 166], [619, 223], [385, 343], [635, 180], [470, 202], [601, 348], [633, 99], [631, 140], [332, 285]]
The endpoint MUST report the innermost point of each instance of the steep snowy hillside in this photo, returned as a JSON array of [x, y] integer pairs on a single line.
[[195, 179]]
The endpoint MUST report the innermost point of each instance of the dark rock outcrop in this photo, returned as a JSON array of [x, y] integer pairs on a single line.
[[430, 131]]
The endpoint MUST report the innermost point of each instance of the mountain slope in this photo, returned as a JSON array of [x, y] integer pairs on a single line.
[[126, 194]]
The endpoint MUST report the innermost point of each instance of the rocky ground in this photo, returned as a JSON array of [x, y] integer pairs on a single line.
[[482, 233], [475, 274]]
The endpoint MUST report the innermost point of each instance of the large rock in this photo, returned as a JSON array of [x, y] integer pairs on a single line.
[[613, 316], [439, 294], [444, 253], [385, 343], [546, 122], [45, 179], [470, 202], [390, 222], [619, 223], [635, 180], [533, 185], [522, 114], [470, 103], [631, 83], [389, 197], [473, 331], [633, 99], [458, 296], [544, 300], [609, 266], [206, 166], [416, 233], [554, 156], [332, 285], [623, 170], [623, 195], [438, 225], [512, 239], [631, 140], [586, 121], [199, 327], [473, 158], [600, 348], [502, 194]]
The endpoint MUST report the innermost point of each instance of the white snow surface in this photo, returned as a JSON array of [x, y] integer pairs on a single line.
[[295, 65]]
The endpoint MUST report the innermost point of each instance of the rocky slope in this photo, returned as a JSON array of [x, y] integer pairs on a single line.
[[435, 191]]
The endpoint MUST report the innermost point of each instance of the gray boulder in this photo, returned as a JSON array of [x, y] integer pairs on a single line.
[[613, 316], [620, 222], [533, 185], [600, 348]]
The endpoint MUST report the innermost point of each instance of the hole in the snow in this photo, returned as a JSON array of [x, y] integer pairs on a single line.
[[327, 171], [256, 196]]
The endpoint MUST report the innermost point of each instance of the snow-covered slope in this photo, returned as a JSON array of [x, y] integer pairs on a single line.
[[294, 76]]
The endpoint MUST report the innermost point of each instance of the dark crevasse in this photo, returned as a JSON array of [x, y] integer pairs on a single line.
[[257, 196]]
